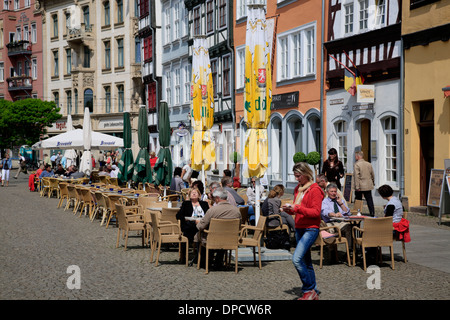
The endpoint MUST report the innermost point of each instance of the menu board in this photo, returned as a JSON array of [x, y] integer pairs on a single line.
[[435, 188], [348, 187]]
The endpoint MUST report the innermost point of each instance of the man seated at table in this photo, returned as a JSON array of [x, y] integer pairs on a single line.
[[334, 207], [221, 210], [60, 170], [322, 181], [227, 184], [77, 174], [213, 186], [48, 172], [104, 171]]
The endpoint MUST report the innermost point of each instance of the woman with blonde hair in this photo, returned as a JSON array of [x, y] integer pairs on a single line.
[[307, 206], [272, 206]]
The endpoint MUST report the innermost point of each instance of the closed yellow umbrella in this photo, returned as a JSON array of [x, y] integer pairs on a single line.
[[202, 108], [258, 93], [258, 98]]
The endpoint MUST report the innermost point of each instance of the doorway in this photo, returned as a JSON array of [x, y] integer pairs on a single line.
[[426, 152], [365, 139]]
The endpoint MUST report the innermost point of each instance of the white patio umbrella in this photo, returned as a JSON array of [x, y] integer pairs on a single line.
[[70, 154], [86, 158], [74, 140]]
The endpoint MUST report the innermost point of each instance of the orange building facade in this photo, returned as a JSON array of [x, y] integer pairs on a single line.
[[295, 28]]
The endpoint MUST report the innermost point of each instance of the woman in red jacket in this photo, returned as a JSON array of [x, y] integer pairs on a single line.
[[307, 205]]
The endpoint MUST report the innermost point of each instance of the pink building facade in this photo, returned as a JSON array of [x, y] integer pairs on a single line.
[[21, 60]]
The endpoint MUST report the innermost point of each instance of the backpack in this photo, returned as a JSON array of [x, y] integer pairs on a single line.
[[278, 239]]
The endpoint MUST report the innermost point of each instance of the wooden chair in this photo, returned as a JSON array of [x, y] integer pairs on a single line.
[[244, 215], [327, 239], [79, 202], [63, 194], [223, 234], [53, 187], [113, 181], [45, 186], [169, 214], [100, 206], [72, 196], [254, 241], [102, 179], [129, 218], [377, 232], [88, 202], [150, 188], [158, 238], [113, 200], [281, 226], [358, 205]]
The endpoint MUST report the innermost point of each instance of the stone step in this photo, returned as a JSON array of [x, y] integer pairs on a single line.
[[246, 254]]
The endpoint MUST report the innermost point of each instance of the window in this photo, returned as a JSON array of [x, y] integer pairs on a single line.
[[390, 132], [176, 21], [196, 22], [214, 69], [69, 101], [209, 16], [26, 67], [33, 33], [107, 16], [34, 72], [341, 132], [86, 16], [55, 63], [177, 86], [240, 67], [27, 3], [348, 20], [76, 100], [120, 53], [187, 83], [16, 5], [380, 13], [296, 53], [363, 14], [148, 52], [6, 5], [137, 50], [56, 98], [241, 9], [68, 24], [120, 97], [119, 11], [108, 99], [86, 57], [168, 89], [89, 100], [222, 13], [68, 61], [107, 54], [55, 25], [26, 36], [2, 71], [167, 25], [18, 34], [151, 92], [226, 89]]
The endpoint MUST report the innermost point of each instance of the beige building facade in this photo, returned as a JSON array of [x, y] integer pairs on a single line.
[[92, 60]]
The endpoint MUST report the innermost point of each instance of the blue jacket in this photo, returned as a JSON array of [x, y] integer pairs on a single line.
[[9, 162]]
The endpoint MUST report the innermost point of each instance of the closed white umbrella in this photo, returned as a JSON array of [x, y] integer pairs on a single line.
[[70, 154], [86, 159]]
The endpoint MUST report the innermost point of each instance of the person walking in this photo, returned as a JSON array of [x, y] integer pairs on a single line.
[[6, 165], [307, 207], [363, 180], [22, 166]]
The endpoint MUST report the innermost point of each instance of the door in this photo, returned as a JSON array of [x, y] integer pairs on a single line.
[[426, 134], [365, 139]]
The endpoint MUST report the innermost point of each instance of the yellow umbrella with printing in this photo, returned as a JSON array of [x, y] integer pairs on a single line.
[[258, 97], [202, 108]]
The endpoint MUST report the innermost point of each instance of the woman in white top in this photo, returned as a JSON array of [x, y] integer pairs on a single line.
[[394, 206]]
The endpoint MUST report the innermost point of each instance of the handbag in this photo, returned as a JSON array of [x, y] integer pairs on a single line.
[[278, 239]]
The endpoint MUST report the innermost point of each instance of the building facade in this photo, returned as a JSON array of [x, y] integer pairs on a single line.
[[21, 65], [93, 58], [425, 34], [364, 35], [296, 104]]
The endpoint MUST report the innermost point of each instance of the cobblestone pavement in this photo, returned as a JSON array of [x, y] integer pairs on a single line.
[[39, 242]]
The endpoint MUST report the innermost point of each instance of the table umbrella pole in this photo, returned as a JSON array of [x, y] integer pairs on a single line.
[[257, 201], [203, 178]]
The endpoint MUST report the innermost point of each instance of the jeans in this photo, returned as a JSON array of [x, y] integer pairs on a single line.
[[302, 257]]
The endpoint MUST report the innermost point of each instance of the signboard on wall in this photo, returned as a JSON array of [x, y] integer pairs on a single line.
[[285, 100], [365, 93], [435, 188]]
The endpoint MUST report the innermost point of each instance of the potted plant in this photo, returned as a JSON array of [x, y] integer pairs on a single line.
[[313, 158], [235, 157], [299, 157]]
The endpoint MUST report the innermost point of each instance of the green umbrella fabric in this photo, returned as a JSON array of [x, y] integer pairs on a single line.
[[163, 166], [142, 169], [126, 161]]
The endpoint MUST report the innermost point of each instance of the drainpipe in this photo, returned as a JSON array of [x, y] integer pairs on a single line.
[[321, 81], [153, 27], [401, 124]]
